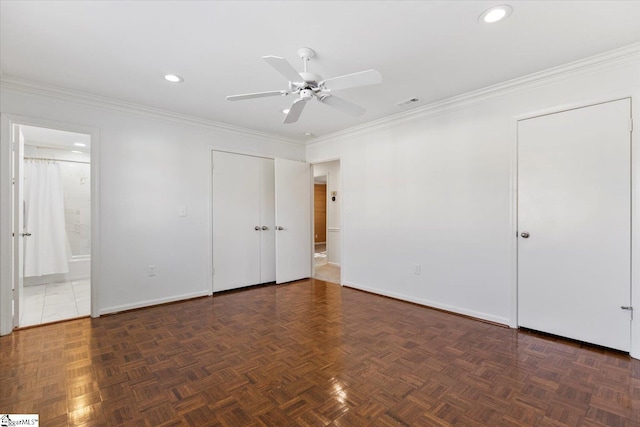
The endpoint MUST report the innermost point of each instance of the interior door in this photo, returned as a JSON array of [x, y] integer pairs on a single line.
[[293, 220], [236, 215], [19, 231], [267, 222], [574, 223]]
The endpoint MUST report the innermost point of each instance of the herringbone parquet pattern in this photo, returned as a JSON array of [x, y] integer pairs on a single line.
[[309, 354]]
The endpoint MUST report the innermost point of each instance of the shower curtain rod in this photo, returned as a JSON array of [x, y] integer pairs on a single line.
[[57, 160]]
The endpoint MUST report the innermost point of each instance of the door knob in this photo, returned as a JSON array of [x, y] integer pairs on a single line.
[[264, 227], [279, 228], [25, 234], [524, 235], [257, 228]]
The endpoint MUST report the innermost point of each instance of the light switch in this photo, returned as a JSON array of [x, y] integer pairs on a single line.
[[182, 211]]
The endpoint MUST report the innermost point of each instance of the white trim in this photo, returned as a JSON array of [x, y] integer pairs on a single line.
[[513, 222], [6, 197], [211, 268], [335, 264], [243, 152], [6, 227], [25, 86], [333, 229], [591, 65], [152, 302], [635, 221], [432, 304]]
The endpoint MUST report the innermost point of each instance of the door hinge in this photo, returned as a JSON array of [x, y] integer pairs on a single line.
[[630, 125], [213, 271]]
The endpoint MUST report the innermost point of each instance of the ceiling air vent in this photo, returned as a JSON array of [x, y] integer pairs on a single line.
[[408, 101]]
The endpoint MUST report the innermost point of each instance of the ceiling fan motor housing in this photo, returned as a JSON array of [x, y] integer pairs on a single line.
[[306, 94]]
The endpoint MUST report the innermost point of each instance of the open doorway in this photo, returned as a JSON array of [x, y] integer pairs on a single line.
[[327, 230], [53, 214]]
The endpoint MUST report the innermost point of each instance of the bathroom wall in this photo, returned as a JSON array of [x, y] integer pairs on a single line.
[[76, 181]]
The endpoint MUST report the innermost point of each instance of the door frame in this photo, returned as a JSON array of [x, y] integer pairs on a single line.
[[341, 213], [635, 186], [7, 121], [313, 219]]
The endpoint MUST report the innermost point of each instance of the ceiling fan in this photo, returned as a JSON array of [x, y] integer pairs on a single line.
[[309, 85]]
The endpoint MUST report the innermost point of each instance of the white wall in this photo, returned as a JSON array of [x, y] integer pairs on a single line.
[[437, 188], [149, 166], [332, 171]]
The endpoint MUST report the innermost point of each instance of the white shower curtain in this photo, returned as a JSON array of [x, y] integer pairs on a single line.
[[46, 248]]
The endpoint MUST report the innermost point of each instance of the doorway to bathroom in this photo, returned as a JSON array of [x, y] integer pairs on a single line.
[[53, 217]]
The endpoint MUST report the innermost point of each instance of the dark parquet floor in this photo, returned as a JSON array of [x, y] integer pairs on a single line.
[[309, 354]]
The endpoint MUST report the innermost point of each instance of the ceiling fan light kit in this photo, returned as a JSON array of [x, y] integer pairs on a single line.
[[308, 85]]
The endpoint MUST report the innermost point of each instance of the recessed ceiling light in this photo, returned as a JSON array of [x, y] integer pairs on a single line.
[[285, 111], [79, 144], [173, 78], [76, 151], [495, 14]]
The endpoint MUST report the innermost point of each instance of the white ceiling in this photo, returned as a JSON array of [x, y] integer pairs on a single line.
[[54, 138], [431, 50]]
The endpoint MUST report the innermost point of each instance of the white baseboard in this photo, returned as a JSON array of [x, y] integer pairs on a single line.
[[53, 278], [433, 304], [149, 303]]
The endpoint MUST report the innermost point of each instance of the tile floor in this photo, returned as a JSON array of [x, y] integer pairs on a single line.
[[56, 301], [324, 270]]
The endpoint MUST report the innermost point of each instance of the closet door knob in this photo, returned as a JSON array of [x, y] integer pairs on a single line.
[[264, 227], [524, 235], [280, 228], [257, 228]]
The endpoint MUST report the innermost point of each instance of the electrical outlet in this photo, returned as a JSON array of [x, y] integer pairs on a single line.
[[416, 269], [152, 270]]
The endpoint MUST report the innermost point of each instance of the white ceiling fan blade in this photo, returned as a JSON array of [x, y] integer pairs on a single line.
[[256, 95], [362, 78], [343, 105], [294, 111], [283, 67]]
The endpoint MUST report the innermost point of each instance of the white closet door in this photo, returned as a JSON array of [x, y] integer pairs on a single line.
[[19, 227], [268, 222], [574, 202], [236, 214], [293, 219]]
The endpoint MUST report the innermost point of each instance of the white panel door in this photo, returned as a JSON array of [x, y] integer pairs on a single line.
[[293, 220], [267, 222], [574, 202], [19, 225], [236, 214]]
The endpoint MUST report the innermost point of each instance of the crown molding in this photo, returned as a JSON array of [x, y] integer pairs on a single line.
[[26, 86], [594, 64]]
